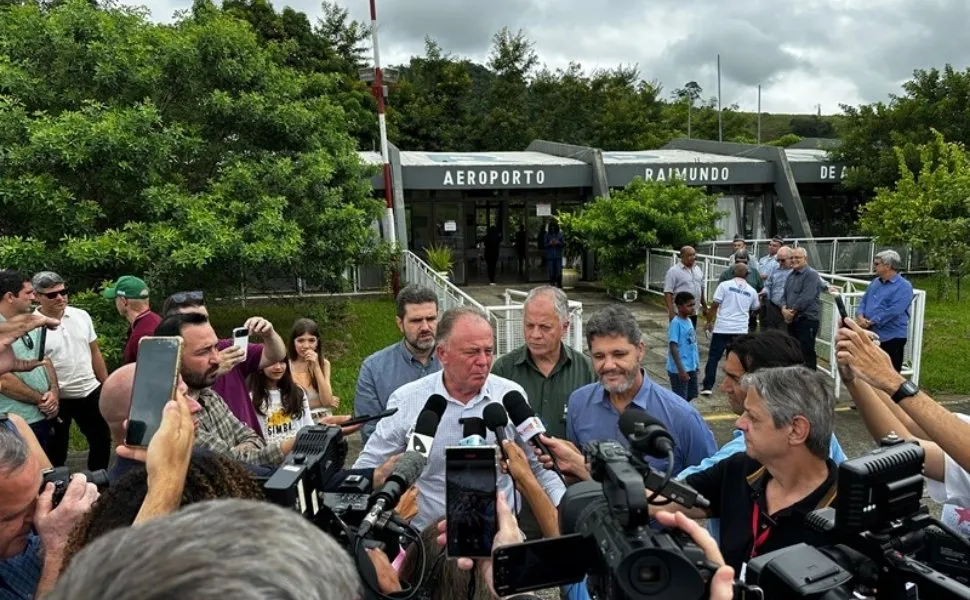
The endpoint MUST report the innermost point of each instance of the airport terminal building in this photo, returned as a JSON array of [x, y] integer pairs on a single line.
[[451, 199]]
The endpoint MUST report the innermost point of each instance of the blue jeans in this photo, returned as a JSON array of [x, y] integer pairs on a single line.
[[719, 343], [686, 390]]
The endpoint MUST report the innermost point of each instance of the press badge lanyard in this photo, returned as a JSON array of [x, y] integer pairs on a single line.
[[759, 538]]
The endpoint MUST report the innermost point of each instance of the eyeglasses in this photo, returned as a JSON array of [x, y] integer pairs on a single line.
[[783, 259], [53, 295], [194, 296]]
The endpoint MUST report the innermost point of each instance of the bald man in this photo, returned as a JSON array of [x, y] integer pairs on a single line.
[[685, 276]]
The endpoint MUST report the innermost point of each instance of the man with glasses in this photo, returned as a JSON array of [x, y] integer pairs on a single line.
[[773, 293], [74, 351], [31, 394]]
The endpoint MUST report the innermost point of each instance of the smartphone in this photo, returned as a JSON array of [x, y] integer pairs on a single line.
[[840, 305], [470, 505], [541, 564], [366, 418], [240, 339], [42, 346], [156, 375]]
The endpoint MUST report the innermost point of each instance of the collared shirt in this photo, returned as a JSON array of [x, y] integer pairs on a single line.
[[392, 434], [221, 432], [232, 387], [35, 379], [592, 417], [381, 374], [69, 348], [19, 575], [681, 279], [548, 395], [143, 325], [736, 446], [681, 332], [801, 293], [767, 265], [886, 304], [734, 485], [753, 277], [775, 286]]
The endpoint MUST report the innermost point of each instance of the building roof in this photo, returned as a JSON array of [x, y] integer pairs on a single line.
[[484, 159], [807, 155], [668, 156]]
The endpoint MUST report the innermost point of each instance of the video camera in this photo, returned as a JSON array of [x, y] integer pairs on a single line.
[[61, 478], [883, 539]]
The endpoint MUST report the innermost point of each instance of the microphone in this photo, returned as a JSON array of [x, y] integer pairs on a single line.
[[646, 434], [427, 424], [406, 471], [528, 425], [473, 432], [496, 419], [675, 490]]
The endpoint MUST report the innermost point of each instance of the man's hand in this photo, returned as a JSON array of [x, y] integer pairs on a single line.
[[229, 357], [517, 463], [858, 350], [722, 584], [54, 525], [258, 326], [788, 314], [10, 331], [338, 420], [382, 472], [48, 405], [170, 449], [387, 579], [570, 460]]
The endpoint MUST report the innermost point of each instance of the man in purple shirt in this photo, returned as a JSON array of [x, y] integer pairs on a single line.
[[235, 366]]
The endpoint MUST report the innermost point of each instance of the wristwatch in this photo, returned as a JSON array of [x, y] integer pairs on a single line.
[[906, 390]]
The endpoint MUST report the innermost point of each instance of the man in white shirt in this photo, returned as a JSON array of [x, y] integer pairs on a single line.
[[465, 348], [685, 276], [734, 301], [73, 350]]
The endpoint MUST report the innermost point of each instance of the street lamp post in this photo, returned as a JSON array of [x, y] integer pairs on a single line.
[[378, 89]]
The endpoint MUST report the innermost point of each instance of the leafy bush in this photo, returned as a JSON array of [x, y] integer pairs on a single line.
[[111, 327]]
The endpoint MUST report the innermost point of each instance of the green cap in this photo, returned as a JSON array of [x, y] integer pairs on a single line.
[[127, 286]]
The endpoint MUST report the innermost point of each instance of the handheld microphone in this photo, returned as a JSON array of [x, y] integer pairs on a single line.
[[497, 419], [473, 432], [427, 424], [527, 424], [406, 471], [646, 434], [675, 490]]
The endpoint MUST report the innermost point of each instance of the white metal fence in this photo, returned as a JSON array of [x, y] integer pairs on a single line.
[[506, 319], [658, 261]]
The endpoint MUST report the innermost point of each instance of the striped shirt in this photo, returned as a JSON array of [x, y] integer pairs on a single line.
[[221, 432], [392, 434]]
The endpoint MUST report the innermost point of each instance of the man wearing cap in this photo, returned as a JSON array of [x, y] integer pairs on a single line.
[[130, 294], [73, 349]]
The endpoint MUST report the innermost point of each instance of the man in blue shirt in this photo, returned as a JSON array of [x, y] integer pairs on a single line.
[[617, 349], [884, 308], [408, 360], [747, 354]]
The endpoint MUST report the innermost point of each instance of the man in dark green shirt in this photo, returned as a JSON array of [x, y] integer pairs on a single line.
[[548, 369]]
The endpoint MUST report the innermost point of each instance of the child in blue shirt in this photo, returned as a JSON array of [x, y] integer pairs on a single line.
[[683, 357]]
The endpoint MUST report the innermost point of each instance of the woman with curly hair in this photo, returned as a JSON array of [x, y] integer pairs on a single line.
[[210, 477]]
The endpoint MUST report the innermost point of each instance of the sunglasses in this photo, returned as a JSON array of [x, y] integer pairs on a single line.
[[54, 295], [180, 297]]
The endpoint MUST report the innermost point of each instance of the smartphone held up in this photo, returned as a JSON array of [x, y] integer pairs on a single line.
[[470, 498], [156, 378], [240, 339]]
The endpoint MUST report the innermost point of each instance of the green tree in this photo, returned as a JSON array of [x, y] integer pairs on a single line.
[[927, 210], [504, 124], [933, 99], [189, 152], [645, 214]]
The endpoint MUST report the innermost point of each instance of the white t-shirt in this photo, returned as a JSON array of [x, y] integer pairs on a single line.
[[736, 299], [277, 424], [69, 348], [953, 492]]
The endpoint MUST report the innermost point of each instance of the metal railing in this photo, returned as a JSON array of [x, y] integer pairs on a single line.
[[658, 261], [506, 319], [838, 255]]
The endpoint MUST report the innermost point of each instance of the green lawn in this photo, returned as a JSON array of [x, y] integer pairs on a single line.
[[352, 330], [946, 340]]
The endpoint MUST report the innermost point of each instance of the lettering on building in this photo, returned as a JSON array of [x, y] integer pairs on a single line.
[[494, 177], [698, 174], [832, 172]]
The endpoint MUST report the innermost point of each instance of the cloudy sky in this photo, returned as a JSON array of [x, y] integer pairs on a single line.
[[804, 53]]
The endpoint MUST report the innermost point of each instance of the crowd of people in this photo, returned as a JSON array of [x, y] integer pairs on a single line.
[[183, 518]]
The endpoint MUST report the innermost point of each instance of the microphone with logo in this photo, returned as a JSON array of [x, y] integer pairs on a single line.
[[427, 424], [647, 435], [496, 419], [528, 425]]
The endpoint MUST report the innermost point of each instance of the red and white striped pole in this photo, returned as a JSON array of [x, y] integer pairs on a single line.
[[389, 233]]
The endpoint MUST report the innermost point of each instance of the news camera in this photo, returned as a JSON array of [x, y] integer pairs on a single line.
[[883, 539], [61, 478]]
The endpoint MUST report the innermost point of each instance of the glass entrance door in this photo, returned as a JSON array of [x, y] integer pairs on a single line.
[[449, 219]]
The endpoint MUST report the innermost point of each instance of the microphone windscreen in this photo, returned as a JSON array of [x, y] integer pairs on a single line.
[[495, 416], [472, 426], [517, 407], [427, 423], [634, 416], [409, 467], [437, 404]]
